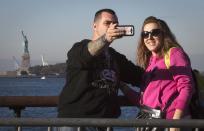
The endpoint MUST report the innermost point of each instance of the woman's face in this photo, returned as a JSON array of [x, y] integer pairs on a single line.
[[152, 37]]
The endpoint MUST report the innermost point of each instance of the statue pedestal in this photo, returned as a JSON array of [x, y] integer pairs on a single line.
[[25, 64]]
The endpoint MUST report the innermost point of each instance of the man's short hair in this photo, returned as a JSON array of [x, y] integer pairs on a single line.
[[98, 13]]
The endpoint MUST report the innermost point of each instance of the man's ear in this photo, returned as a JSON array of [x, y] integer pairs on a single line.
[[94, 26]]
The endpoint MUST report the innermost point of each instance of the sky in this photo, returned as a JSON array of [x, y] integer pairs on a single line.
[[53, 26]]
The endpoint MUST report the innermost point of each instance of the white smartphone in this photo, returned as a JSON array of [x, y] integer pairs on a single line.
[[129, 29]]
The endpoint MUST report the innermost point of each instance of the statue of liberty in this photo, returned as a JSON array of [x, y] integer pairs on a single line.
[[25, 43], [25, 62]]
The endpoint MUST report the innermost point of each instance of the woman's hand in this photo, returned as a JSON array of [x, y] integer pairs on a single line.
[[174, 129], [177, 115]]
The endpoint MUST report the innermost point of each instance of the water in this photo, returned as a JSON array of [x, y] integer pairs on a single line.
[[39, 87]]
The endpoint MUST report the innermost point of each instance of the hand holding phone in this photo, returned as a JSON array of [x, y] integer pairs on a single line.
[[129, 29]]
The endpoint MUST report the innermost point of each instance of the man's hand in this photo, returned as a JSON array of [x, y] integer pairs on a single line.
[[113, 33]]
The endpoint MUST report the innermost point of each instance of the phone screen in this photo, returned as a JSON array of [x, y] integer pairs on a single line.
[[129, 29]]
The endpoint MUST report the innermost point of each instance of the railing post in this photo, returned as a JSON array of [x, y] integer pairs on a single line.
[[108, 129], [49, 128], [17, 114]]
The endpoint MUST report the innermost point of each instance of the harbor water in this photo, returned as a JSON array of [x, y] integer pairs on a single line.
[[50, 86]]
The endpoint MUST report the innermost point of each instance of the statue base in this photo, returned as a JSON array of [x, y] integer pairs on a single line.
[[25, 64]]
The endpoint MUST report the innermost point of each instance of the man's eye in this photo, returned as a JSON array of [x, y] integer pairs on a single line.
[[107, 23]]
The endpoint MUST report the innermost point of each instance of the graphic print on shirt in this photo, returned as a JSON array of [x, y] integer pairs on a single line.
[[108, 75], [105, 76], [107, 81]]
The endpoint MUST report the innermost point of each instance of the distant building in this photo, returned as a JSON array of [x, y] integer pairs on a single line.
[[8, 73], [3, 73], [44, 63], [11, 73]]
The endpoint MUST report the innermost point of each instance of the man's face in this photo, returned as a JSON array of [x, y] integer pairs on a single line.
[[102, 24]]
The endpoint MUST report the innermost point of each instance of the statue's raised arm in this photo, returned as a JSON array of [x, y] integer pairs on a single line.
[[25, 43]]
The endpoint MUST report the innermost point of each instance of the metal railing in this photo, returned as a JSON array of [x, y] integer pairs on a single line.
[[60, 122], [97, 122], [18, 103]]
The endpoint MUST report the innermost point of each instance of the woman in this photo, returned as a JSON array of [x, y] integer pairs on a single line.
[[168, 90]]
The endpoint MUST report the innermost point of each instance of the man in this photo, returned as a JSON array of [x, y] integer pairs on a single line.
[[94, 71]]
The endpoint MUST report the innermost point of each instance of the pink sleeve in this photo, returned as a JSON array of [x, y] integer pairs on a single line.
[[181, 71]]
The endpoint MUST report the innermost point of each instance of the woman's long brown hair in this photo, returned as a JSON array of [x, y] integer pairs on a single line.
[[168, 41]]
